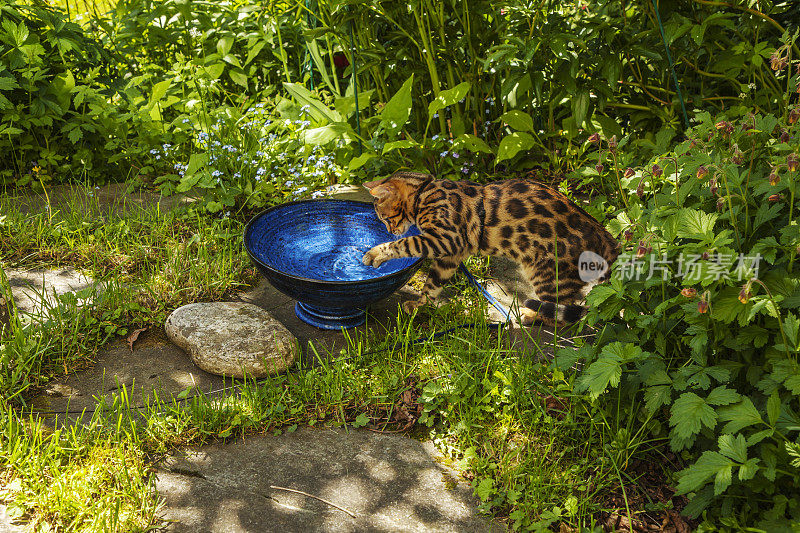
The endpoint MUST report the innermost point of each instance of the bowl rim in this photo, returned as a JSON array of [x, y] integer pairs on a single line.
[[312, 280]]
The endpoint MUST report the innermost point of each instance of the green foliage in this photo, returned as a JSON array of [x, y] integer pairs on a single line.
[[699, 322]]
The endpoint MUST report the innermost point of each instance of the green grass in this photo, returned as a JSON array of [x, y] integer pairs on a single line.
[[535, 452]]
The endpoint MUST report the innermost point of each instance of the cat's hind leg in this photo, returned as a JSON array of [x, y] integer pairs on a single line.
[[557, 294]]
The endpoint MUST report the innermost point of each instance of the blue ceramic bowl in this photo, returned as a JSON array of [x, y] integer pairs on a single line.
[[312, 250]]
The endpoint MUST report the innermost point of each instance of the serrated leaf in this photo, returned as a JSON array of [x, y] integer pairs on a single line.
[[722, 396], [733, 448], [773, 408], [606, 371], [748, 469], [657, 396], [738, 416], [361, 420], [485, 488], [238, 76], [723, 479], [696, 224], [688, 413], [698, 474]]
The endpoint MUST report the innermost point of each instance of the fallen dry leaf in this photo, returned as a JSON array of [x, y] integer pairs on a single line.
[[133, 336]]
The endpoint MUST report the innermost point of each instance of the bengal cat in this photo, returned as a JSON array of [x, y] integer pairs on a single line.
[[551, 238]]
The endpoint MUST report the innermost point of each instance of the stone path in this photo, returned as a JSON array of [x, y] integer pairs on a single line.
[[390, 482]]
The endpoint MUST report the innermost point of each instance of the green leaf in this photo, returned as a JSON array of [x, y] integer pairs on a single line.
[[224, 45], [733, 448], [316, 109], [723, 479], [657, 396], [722, 396], [7, 83], [396, 112], [518, 120], [688, 413], [697, 224], [580, 106], [399, 145], [471, 143], [238, 76], [159, 90], [361, 420], [697, 475], [346, 105], [512, 144], [360, 161], [606, 371], [738, 416], [326, 134], [749, 469], [773, 408], [485, 488], [448, 98]]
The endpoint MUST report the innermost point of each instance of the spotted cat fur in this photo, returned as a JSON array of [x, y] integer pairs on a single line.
[[530, 223]]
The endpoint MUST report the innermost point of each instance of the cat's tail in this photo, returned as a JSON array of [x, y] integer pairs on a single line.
[[550, 312]]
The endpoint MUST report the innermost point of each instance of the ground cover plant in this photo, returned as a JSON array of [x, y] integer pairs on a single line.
[[686, 401]]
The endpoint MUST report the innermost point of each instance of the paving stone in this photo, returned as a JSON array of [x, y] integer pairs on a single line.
[[232, 338], [155, 365], [389, 482], [37, 290]]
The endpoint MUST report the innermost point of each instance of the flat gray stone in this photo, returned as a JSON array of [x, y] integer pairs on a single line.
[[390, 483], [7, 525], [232, 339], [35, 291]]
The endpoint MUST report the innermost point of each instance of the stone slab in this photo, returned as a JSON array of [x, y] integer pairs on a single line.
[[389, 482], [154, 366], [36, 290]]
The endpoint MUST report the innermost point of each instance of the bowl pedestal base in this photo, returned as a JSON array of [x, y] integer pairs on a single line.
[[330, 317]]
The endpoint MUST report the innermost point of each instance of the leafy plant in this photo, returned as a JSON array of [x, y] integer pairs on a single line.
[[699, 325]]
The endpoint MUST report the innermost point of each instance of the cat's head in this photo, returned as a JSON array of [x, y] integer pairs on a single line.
[[391, 199]]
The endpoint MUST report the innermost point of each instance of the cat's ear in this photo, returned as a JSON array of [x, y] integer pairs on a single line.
[[381, 192], [374, 183]]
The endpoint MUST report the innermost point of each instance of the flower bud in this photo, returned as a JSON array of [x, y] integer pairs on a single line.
[[738, 157], [657, 170], [641, 251], [689, 292], [702, 306], [775, 198], [702, 172], [705, 256], [791, 162], [785, 138], [629, 172], [640, 189], [628, 235], [744, 294], [612, 143], [720, 203], [774, 178], [794, 115], [599, 168], [712, 184], [594, 138]]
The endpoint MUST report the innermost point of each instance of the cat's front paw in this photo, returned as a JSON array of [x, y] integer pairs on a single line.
[[375, 257]]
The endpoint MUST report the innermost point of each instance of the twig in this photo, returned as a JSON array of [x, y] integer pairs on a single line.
[[315, 497]]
